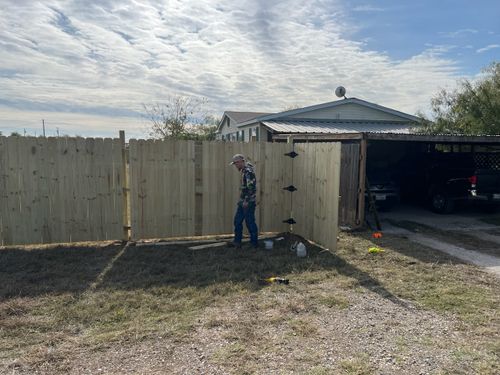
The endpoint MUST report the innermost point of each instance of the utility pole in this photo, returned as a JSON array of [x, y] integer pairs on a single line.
[[43, 127]]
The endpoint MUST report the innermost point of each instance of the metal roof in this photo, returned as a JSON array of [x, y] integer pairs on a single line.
[[338, 126], [244, 116]]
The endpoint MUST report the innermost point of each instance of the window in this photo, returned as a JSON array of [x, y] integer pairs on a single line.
[[253, 134]]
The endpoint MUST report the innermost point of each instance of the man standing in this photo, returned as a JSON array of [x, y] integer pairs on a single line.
[[246, 204]]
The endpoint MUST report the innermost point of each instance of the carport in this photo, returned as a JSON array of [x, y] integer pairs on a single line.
[[393, 153]]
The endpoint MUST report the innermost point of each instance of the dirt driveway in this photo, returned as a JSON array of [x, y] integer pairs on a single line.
[[468, 234]]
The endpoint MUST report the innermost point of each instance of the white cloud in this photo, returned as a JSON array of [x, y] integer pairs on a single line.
[[367, 8], [57, 123], [260, 55], [458, 33], [487, 48]]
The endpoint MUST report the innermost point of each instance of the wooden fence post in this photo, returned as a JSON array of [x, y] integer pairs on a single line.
[[125, 194]]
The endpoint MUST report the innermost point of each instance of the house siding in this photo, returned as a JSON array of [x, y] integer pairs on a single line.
[[349, 111], [225, 130], [261, 133]]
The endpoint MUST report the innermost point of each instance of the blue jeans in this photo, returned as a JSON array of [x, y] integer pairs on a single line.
[[247, 214]]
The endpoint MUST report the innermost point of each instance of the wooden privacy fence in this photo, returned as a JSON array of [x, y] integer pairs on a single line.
[[187, 188], [60, 190], [73, 189]]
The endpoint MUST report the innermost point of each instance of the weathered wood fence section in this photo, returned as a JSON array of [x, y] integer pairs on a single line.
[[349, 184], [76, 189], [60, 190]]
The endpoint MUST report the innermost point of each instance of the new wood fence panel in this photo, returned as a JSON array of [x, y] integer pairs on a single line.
[[219, 188], [328, 170], [232, 180], [317, 172], [274, 200], [10, 200], [303, 166], [58, 189], [162, 189], [71, 189], [200, 190]]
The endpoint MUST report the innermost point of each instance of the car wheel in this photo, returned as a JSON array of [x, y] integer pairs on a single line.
[[441, 204]]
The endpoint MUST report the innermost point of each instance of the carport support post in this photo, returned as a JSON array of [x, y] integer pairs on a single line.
[[360, 215], [290, 141]]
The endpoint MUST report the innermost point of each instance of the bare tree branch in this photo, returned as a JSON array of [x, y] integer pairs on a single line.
[[172, 118]]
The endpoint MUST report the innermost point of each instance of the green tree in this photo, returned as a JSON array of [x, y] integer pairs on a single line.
[[472, 109], [180, 117]]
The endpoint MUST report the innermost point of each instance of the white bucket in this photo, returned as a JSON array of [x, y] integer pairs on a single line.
[[301, 250], [268, 244]]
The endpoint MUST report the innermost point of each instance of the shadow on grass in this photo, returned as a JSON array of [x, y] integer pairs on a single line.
[[29, 273], [146, 267], [58, 270]]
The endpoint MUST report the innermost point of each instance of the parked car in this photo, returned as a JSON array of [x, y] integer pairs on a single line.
[[443, 179], [383, 188]]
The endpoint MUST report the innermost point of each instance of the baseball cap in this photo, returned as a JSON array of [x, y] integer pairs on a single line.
[[236, 158]]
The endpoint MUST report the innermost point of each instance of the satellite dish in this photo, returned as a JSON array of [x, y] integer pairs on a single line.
[[340, 92]]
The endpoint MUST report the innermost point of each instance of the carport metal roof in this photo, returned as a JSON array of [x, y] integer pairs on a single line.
[[337, 126], [388, 136]]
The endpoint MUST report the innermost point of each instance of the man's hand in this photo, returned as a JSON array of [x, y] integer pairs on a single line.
[[244, 205]]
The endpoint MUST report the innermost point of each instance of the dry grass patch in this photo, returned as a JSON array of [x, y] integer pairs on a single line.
[[359, 365], [52, 321]]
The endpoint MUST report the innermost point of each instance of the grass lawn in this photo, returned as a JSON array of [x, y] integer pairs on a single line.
[[167, 309]]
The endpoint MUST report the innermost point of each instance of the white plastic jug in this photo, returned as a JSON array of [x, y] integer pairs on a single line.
[[301, 250]]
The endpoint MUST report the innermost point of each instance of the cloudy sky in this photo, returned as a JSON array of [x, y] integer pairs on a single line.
[[87, 67]]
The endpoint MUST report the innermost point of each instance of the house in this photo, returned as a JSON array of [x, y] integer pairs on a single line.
[[374, 138], [344, 116], [228, 130]]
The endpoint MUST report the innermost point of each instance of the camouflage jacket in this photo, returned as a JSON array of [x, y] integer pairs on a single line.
[[248, 188]]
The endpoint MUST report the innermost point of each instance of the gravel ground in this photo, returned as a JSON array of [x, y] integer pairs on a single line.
[[375, 334]]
